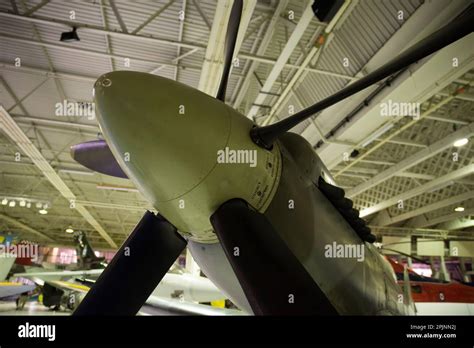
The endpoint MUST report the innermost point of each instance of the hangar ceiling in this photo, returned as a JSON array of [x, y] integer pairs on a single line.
[[277, 71]]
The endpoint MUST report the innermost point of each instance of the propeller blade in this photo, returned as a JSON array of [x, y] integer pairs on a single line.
[[269, 273], [455, 30], [136, 269], [230, 40], [96, 155]]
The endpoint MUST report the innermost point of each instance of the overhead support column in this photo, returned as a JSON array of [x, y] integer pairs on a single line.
[[260, 51], [118, 16], [293, 41], [48, 73], [214, 58], [313, 55], [90, 52], [420, 82]]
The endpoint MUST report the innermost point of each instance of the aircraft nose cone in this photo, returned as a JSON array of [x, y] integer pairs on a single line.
[[165, 133]]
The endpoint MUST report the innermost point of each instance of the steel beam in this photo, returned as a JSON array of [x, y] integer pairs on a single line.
[[24, 143], [90, 52], [260, 51], [18, 102], [457, 174], [51, 122], [98, 30], [213, 61], [454, 221], [413, 160], [25, 227], [312, 55], [427, 76], [152, 17], [36, 8], [295, 37], [105, 23], [421, 232], [150, 38], [180, 38], [387, 220]]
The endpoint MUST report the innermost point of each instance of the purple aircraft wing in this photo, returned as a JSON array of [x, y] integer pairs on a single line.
[[96, 155]]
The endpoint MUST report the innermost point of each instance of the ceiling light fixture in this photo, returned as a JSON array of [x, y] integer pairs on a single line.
[[459, 209], [43, 211], [69, 36], [69, 230], [12, 204], [28, 205], [22, 203], [4, 201], [461, 142]]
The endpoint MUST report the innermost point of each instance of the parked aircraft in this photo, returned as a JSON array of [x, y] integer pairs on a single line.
[[436, 297], [66, 288], [10, 290]]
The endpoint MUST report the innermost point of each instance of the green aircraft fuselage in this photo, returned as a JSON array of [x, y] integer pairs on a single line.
[[189, 153], [181, 147]]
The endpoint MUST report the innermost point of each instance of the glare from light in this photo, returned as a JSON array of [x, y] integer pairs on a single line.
[[459, 209], [461, 142], [43, 211], [4, 201], [12, 204], [69, 230]]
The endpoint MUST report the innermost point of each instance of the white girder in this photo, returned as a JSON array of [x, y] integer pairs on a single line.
[[417, 85], [213, 62], [295, 37], [385, 219], [413, 160], [260, 51], [452, 176], [15, 133], [453, 221]]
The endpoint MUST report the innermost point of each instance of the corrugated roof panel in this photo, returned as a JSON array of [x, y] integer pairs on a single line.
[[365, 30], [31, 56], [84, 11]]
